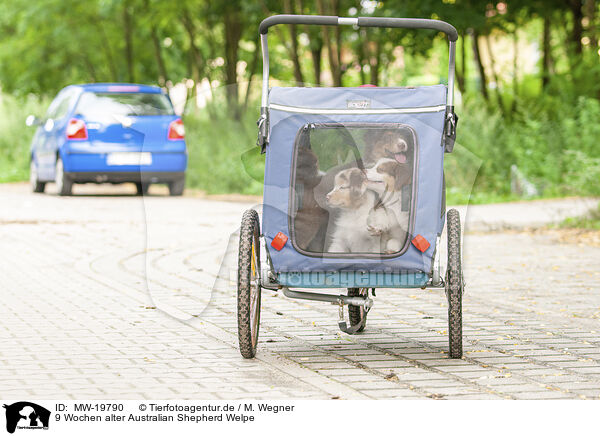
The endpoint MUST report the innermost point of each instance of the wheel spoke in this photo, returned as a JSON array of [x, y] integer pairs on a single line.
[[254, 308], [253, 262], [253, 300]]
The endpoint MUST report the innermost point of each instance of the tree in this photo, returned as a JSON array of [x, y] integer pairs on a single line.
[[331, 42], [128, 36]]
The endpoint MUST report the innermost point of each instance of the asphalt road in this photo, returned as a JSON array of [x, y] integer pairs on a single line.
[[108, 295]]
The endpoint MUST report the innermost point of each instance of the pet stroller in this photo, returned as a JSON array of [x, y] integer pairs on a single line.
[[354, 193]]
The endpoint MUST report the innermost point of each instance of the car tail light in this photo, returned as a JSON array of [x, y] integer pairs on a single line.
[[76, 129], [176, 130]]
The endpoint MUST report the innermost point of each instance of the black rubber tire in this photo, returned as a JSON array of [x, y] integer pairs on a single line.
[[36, 185], [454, 285], [142, 188], [64, 185], [248, 284], [176, 187], [357, 313]]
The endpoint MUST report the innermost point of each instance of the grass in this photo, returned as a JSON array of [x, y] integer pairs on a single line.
[[222, 156], [588, 222], [554, 145]]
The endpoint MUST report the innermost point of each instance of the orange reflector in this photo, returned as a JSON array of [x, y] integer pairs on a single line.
[[279, 241], [421, 243]]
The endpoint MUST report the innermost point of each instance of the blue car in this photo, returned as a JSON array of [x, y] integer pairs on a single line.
[[109, 133]]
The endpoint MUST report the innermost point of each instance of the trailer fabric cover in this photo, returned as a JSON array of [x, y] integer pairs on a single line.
[[291, 108]]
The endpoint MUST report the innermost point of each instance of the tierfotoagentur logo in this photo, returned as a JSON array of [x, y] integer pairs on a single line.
[[26, 415]]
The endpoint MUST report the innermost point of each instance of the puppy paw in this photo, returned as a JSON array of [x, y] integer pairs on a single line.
[[377, 222], [392, 246], [374, 231]]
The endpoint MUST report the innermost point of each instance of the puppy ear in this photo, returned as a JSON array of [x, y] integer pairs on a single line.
[[403, 176], [371, 135], [357, 178], [357, 181], [388, 166], [371, 138]]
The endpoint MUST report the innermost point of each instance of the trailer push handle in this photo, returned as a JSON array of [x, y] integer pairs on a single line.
[[385, 22], [404, 23]]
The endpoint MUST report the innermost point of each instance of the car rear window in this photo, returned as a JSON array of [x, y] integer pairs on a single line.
[[98, 106]]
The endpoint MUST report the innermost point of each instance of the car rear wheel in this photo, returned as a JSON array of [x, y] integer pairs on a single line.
[[142, 188], [176, 187], [64, 185], [36, 185]]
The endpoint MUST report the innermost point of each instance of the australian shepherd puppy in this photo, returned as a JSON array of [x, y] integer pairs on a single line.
[[353, 202], [387, 220]]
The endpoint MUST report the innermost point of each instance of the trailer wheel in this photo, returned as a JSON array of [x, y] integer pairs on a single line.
[[454, 285], [357, 314], [248, 295]]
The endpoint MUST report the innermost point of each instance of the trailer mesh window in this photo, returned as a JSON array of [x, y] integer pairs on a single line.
[[352, 189]]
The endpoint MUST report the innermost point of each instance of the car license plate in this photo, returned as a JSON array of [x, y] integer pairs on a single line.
[[129, 158]]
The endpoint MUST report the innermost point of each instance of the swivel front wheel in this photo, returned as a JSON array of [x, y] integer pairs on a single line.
[[358, 314]]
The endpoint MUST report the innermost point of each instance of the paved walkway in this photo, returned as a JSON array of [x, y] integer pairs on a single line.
[[526, 214], [78, 321]]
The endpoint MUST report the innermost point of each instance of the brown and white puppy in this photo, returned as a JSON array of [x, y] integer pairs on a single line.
[[384, 143], [386, 219], [353, 201]]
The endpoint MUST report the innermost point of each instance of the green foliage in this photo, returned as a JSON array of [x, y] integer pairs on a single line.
[[223, 157], [553, 144], [15, 137]]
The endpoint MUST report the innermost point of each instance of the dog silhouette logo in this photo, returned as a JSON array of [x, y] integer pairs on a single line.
[[26, 415]]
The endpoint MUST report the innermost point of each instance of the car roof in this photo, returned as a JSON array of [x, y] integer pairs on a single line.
[[118, 87]]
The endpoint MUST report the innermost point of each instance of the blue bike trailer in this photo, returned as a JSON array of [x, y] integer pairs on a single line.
[[417, 114], [354, 192]]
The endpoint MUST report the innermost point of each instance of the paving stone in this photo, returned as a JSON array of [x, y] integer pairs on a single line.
[[543, 395]]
